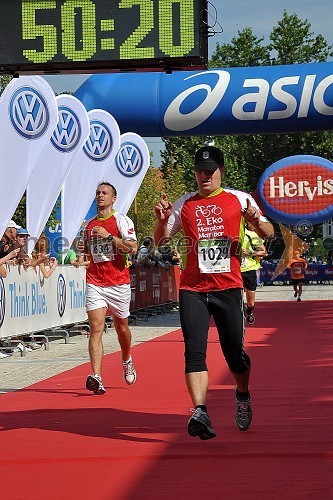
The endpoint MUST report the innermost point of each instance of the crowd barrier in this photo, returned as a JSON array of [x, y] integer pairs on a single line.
[[31, 303], [314, 272], [153, 286]]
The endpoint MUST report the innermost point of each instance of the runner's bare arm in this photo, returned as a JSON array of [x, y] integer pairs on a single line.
[[125, 245], [251, 214], [163, 210]]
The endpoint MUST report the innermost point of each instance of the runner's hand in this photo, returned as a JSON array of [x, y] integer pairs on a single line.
[[100, 232], [163, 209], [251, 214]]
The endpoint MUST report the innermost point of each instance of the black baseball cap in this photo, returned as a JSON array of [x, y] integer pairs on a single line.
[[208, 158]]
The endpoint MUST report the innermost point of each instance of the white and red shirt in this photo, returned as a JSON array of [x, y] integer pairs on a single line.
[[108, 267], [213, 232]]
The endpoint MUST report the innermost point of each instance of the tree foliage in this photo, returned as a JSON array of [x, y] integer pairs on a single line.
[[4, 80], [293, 42], [244, 50], [142, 209]]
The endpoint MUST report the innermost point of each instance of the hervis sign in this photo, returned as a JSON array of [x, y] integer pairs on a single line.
[[298, 188]]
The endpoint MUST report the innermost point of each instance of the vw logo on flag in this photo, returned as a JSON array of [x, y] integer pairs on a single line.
[[99, 144], [2, 301], [67, 133], [29, 113], [61, 295], [129, 159]]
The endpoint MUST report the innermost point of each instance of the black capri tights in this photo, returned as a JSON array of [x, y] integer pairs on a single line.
[[226, 307]]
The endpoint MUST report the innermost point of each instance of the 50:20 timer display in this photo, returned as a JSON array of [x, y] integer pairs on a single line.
[[91, 30]]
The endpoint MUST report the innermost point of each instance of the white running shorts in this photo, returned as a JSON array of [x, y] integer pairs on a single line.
[[115, 298]]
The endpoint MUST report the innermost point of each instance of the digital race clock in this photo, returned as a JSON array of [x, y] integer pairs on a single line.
[[50, 36]]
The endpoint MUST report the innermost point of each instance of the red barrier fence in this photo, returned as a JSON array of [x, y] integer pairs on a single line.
[[153, 286]]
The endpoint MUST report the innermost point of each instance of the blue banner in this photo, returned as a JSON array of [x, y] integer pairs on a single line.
[[314, 272], [267, 99]]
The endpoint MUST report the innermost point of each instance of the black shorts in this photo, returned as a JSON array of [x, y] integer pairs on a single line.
[[226, 307], [250, 280], [299, 280]]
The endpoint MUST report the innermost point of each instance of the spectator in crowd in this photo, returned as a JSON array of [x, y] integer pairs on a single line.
[[41, 257], [8, 238], [5, 244], [12, 229], [171, 255], [71, 258], [21, 243], [3, 260], [146, 255], [162, 256]]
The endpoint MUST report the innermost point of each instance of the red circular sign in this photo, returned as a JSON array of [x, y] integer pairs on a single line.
[[298, 187]]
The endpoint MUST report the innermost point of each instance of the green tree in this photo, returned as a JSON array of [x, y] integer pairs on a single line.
[[142, 209], [179, 154], [4, 80], [244, 50], [293, 42]]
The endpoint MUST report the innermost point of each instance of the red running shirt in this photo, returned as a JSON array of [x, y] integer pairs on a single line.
[[214, 229], [107, 267]]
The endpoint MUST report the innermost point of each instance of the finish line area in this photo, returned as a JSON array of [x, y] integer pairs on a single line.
[[132, 442]]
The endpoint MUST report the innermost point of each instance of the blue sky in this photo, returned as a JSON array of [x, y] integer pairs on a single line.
[[263, 15], [260, 15]]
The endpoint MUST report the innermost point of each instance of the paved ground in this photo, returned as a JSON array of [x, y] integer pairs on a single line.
[[18, 372]]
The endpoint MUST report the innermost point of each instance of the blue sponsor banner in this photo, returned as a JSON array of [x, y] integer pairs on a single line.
[[314, 272], [267, 99]]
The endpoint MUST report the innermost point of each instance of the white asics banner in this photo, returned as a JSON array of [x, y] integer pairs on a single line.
[[28, 116], [46, 182], [128, 169], [32, 303], [89, 168]]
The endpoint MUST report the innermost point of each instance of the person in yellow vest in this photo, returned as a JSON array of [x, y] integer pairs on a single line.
[[253, 249]]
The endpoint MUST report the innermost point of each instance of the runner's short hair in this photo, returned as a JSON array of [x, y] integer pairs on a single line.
[[106, 183]]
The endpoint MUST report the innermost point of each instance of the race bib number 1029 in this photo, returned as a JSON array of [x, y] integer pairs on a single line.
[[214, 256]]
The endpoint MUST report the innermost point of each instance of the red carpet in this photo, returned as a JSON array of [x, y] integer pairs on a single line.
[[59, 442]]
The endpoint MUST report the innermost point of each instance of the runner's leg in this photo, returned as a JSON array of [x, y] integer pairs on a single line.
[[124, 336], [194, 317], [97, 322]]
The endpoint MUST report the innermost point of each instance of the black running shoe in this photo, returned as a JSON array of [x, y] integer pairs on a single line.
[[94, 384], [243, 416], [295, 295], [200, 425], [299, 299], [250, 319]]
